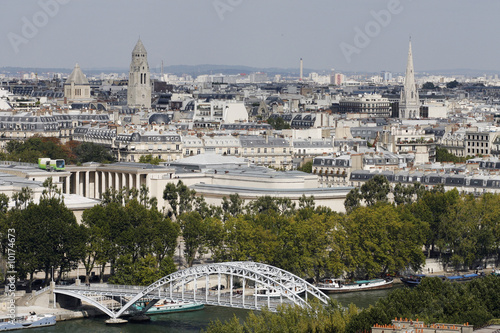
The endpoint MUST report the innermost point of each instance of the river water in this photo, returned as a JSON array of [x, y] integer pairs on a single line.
[[190, 321]]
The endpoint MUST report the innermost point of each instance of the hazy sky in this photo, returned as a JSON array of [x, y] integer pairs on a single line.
[[350, 35]]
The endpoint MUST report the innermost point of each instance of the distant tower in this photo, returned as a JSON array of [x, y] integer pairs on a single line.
[[409, 102], [162, 77], [301, 69], [139, 83]]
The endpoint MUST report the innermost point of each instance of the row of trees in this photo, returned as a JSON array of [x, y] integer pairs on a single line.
[[129, 233], [317, 243], [74, 152], [310, 242], [126, 231], [434, 301], [374, 237], [461, 230], [432, 86], [46, 235]]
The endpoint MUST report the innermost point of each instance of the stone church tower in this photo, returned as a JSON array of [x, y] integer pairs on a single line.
[[139, 81], [409, 102]]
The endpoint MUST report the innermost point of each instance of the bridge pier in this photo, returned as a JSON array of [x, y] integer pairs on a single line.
[[115, 321]]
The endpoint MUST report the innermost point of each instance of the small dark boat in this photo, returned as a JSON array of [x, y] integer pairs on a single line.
[[412, 280]]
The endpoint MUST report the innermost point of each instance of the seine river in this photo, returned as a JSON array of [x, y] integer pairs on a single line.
[[189, 321]]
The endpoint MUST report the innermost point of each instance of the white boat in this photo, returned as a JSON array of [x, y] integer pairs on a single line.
[[26, 321], [273, 292], [167, 306], [340, 286]]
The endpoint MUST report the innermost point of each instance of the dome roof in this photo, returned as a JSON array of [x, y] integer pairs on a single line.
[[160, 118]]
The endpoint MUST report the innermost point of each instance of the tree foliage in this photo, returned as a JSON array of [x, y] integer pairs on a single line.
[[306, 167], [442, 155], [92, 152], [278, 123], [318, 318], [47, 236], [434, 301], [452, 84], [149, 159], [72, 152], [34, 148], [429, 86], [373, 191]]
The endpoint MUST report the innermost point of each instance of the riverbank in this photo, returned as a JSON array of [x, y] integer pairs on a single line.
[[61, 314]]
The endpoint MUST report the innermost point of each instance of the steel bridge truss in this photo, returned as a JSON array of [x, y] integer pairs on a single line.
[[286, 289]]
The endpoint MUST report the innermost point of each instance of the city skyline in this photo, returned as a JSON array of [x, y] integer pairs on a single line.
[[348, 36]]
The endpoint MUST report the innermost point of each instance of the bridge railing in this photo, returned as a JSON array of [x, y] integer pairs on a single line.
[[102, 286]]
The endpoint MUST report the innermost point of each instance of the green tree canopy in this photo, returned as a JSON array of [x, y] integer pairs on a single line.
[[453, 84], [149, 159], [92, 152], [47, 235], [306, 167], [278, 123], [428, 86]]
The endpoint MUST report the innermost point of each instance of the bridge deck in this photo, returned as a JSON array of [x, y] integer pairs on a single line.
[[248, 301], [193, 284]]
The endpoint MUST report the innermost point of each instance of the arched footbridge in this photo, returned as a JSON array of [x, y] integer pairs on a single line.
[[259, 286]]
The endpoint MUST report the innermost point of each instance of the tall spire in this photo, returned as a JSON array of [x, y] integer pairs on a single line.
[[409, 65], [409, 104]]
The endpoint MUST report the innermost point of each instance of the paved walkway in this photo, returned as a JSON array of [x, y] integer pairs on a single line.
[[489, 329]]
